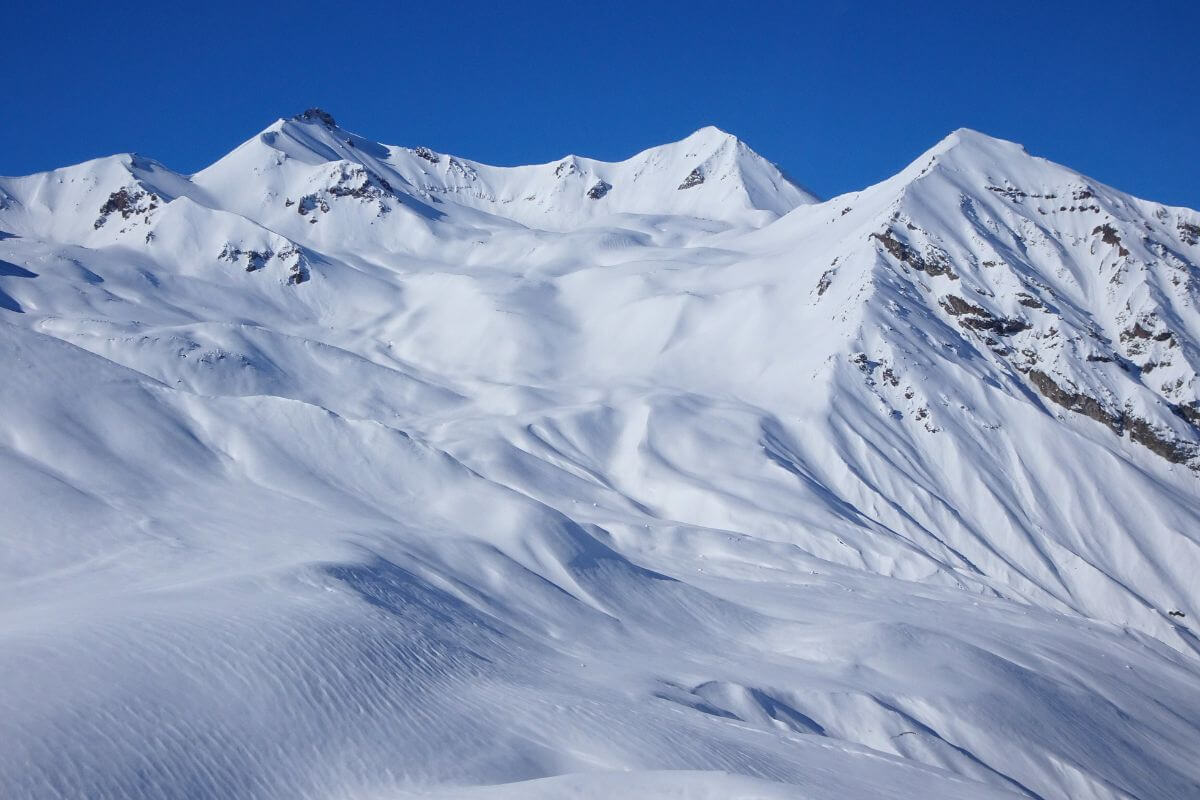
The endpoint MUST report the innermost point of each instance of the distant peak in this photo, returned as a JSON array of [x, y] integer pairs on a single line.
[[713, 130], [966, 150], [316, 115], [711, 133], [970, 139]]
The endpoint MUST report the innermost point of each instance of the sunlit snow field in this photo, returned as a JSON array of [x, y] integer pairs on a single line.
[[340, 470]]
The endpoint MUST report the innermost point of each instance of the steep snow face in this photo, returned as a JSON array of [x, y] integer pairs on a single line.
[[998, 302], [346, 470], [1093, 292], [93, 202]]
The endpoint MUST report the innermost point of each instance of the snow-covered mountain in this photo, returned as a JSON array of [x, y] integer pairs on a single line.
[[341, 469]]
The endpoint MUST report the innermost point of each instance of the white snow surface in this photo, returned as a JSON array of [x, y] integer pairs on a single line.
[[346, 470]]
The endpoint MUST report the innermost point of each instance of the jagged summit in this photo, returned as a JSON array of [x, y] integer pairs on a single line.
[[316, 115]]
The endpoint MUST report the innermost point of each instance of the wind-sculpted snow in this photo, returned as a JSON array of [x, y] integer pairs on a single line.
[[348, 470]]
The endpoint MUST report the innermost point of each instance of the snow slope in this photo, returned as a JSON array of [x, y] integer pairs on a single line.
[[340, 469]]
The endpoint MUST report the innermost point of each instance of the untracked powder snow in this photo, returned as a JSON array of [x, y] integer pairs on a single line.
[[347, 470]]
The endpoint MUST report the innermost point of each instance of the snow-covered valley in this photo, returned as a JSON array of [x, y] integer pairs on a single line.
[[341, 470]]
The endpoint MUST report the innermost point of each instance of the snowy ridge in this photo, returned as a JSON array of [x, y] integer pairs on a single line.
[[340, 469], [709, 174]]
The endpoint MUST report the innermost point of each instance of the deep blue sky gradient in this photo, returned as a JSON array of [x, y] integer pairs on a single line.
[[840, 94]]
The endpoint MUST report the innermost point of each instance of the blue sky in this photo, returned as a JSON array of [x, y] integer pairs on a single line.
[[840, 94]]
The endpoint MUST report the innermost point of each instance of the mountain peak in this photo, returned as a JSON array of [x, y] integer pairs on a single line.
[[972, 161], [711, 134], [969, 140], [708, 175], [315, 114]]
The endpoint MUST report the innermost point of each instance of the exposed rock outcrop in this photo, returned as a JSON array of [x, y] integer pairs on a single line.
[[128, 201], [694, 178], [1158, 440], [599, 189], [934, 264]]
